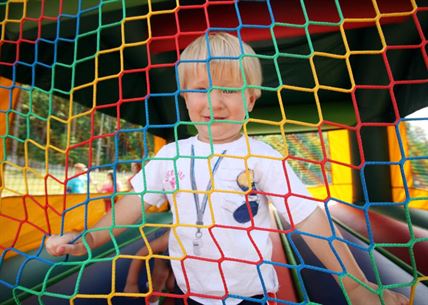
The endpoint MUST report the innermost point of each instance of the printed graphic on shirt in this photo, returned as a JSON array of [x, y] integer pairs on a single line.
[[245, 181], [170, 180]]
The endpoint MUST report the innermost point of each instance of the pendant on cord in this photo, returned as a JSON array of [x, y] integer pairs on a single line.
[[197, 243]]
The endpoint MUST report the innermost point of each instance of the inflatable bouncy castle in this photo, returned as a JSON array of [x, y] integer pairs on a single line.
[[96, 82]]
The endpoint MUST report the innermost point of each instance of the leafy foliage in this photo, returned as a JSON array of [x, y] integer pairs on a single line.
[[54, 129]]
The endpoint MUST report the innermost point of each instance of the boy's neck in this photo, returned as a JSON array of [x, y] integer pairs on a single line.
[[219, 141]]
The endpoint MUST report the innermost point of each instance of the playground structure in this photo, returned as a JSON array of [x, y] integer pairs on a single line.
[[350, 72]]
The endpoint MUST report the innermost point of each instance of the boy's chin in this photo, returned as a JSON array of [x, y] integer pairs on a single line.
[[224, 138], [220, 133]]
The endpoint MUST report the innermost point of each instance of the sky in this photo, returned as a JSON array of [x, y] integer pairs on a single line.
[[422, 113]]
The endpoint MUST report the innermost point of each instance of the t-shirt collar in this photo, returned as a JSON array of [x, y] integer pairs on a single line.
[[217, 147]]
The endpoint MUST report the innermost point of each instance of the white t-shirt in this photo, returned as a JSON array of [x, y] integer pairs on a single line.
[[235, 255]]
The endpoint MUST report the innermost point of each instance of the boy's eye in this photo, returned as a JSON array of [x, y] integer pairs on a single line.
[[198, 90], [229, 91]]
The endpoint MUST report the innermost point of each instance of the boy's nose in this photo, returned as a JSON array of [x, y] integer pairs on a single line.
[[216, 99]]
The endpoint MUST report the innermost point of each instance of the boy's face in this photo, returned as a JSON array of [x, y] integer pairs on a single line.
[[225, 105]]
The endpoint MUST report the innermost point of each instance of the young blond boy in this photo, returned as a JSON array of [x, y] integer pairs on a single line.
[[216, 183]]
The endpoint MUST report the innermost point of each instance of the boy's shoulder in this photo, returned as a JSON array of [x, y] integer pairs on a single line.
[[262, 148], [173, 148]]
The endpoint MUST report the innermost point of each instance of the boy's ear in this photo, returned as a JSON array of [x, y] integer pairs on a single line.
[[184, 96], [251, 101]]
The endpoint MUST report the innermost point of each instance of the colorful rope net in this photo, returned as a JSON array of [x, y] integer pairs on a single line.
[[120, 58]]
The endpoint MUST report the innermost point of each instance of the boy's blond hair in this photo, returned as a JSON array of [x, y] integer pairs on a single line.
[[222, 46]]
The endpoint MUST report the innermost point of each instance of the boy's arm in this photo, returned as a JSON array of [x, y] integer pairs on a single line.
[[317, 224], [158, 246], [126, 211], [131, 284]]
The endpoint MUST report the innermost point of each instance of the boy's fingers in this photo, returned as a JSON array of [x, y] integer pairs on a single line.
[[400, 299], [404, 300], [52, 244], [73, 249], [60, 245]]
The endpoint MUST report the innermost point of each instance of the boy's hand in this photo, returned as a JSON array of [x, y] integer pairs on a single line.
[[57, 245], [362, 296]]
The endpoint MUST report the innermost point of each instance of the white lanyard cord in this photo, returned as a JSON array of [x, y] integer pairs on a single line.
[[200, 209]]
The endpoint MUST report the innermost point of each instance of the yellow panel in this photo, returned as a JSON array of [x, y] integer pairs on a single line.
[[400, 196], [340, 153], [342, 192], [395, 156], [398, 192]]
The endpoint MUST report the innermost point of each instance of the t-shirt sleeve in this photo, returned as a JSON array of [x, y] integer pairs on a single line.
[[149, 180], [286, 190], [69, 186]]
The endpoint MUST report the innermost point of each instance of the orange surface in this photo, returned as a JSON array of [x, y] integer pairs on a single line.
[[26, 219]]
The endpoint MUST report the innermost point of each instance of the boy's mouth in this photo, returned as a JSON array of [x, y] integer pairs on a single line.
[[208, 118]]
